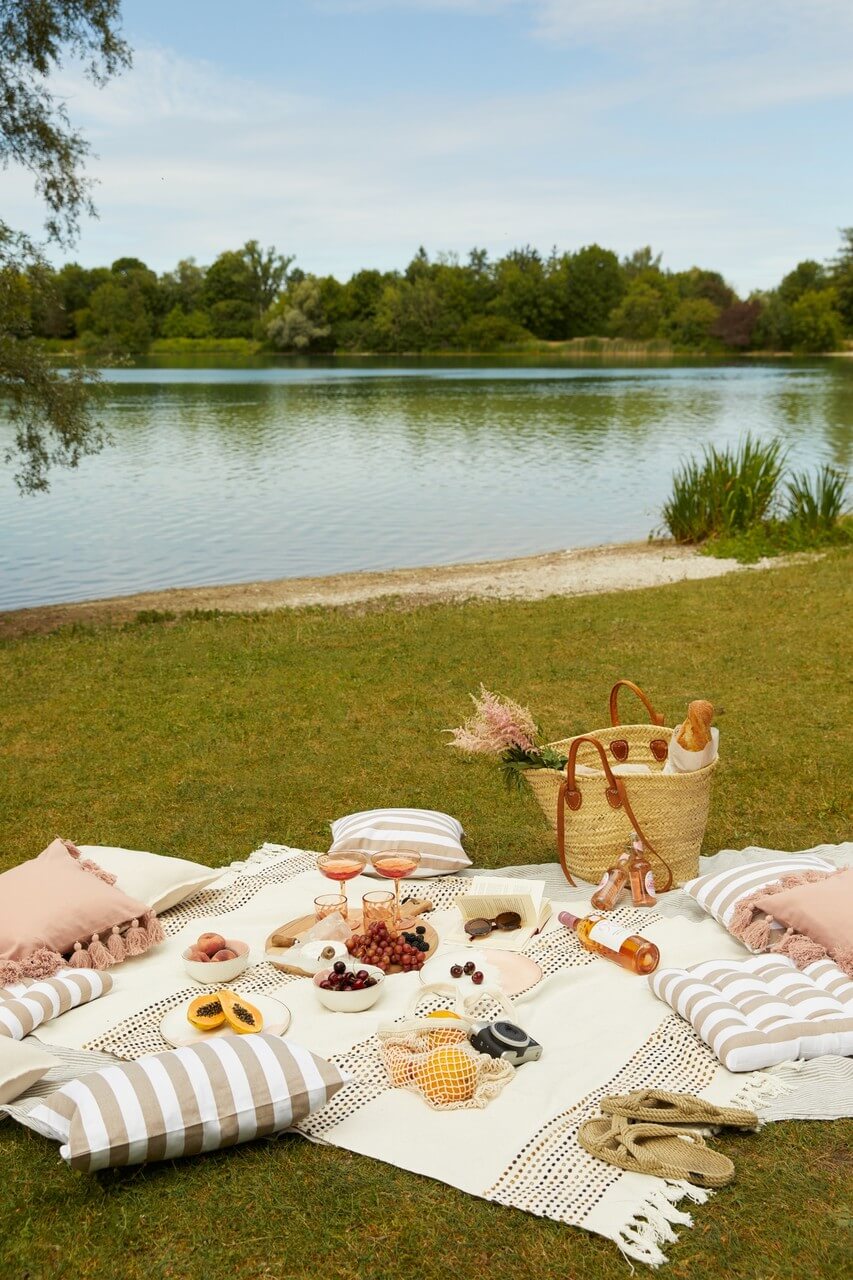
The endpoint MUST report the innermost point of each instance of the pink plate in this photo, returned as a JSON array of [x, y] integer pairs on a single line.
[[511, 971]]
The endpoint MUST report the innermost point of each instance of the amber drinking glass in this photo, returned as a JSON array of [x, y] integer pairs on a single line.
[[341, 866], [396, 864], [378, 905], [329, 903]]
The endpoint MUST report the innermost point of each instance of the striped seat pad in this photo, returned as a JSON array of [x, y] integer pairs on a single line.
[[719, 892], [24, 1007], [436, 836], [758, 1012], [227, 1090]]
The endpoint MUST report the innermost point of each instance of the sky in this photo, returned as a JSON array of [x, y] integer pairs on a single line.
[[349, 132]]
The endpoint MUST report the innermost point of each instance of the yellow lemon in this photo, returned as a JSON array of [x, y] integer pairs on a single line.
[[443, 1013], [447, 1075]]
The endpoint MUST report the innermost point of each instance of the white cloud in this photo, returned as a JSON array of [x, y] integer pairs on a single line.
[[193, 160]]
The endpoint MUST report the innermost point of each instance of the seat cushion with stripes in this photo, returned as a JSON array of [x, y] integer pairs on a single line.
[[227, 1090], [758, 1012], [436, 836]]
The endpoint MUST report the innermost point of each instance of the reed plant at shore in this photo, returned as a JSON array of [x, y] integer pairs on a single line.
[[738, 502]]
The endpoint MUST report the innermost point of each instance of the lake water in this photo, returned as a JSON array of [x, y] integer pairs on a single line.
[[230, 475]]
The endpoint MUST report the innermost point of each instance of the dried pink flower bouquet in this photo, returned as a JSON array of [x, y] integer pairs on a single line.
[[497, 723], [501, 727]]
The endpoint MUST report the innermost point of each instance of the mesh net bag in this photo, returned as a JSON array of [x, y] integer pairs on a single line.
[[431, 1056]]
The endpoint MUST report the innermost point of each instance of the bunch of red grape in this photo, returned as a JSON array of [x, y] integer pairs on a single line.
[[385, 948]]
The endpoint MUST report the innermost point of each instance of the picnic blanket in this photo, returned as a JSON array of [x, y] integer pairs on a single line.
[[602, 1029]]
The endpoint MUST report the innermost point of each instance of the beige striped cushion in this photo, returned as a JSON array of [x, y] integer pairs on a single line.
[[227, 1090], [436, 836], [27, 1007], [719, 892], [758, 1012]]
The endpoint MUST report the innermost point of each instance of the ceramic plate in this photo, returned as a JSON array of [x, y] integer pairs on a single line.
[[177, 1032], [508, 970]]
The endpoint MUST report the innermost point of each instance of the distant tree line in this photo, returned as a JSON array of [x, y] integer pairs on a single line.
[[434, 304]]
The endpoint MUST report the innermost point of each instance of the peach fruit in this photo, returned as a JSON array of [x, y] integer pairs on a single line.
[[225, 954], [210, 943]]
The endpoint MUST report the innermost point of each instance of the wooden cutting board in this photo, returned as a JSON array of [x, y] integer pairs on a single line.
[[296, 929]]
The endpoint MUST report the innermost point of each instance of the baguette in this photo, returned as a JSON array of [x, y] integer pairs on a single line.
[[695, 733]]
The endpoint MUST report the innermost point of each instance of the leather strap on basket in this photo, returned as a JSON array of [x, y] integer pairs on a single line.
[[617, 797], [619, 746]]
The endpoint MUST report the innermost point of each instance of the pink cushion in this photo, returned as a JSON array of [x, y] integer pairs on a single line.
[[822, 911], [51, 901]]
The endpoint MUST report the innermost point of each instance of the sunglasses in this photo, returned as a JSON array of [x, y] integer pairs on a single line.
[[481, 928]]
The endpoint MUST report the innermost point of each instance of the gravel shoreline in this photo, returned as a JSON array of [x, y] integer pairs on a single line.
[[585, 571]]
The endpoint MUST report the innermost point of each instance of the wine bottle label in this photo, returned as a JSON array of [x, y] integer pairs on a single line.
[[603, 881], [650, 883], [608, 934]]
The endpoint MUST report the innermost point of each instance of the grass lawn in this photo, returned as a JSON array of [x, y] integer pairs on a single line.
[[206, 736]]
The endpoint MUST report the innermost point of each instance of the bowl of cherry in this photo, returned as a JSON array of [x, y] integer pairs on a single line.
[[349, 988]]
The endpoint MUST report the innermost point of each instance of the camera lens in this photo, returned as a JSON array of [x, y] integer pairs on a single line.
[[510, 1035]]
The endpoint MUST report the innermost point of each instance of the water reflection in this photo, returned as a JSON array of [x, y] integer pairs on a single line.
[[254, 472]]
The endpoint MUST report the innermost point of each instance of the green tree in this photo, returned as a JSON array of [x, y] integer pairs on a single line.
[[251, 275], [51, 410], [640, 314], [816, 323], [117, 320], [591, 283], [523, 295], [297, 322], [841, 270], [692, 322], [806, 276], [184, 287], [232, 318], [186, 324]]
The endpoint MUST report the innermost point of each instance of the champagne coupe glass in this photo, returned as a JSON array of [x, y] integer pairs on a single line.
[[342, 865], [395, 864]]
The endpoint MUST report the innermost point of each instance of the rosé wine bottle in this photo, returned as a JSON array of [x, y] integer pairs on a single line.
[[641, 876], [605, 938], [613, 882]]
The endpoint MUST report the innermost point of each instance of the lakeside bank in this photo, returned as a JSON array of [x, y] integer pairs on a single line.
[[584, 571]]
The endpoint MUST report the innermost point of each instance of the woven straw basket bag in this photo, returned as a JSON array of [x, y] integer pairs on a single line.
[[594, 816]]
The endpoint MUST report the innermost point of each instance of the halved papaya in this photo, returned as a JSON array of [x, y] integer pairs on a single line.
[[239, 1014], [206, 1013]]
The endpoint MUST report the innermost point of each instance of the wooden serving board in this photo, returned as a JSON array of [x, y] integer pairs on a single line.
[[278, 956]]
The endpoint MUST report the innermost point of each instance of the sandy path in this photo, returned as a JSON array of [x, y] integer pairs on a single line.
[[558, 573]]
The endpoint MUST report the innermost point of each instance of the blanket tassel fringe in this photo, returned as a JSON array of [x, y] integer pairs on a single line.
[[654, 1221]]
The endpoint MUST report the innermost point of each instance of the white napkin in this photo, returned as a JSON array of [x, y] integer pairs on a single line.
[[679, 760]]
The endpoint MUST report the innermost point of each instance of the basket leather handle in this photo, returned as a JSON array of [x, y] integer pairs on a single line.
[[655, 716], [616, 795]]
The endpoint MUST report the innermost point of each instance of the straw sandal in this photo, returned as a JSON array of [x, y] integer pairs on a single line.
[[657, 1150], [657, 1106]]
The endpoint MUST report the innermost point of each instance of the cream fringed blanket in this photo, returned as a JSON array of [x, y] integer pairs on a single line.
[[602, 1029]]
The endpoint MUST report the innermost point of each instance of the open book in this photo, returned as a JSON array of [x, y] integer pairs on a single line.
[[488, 896]]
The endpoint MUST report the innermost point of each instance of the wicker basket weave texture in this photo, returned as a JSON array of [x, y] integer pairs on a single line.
[[672, 809]]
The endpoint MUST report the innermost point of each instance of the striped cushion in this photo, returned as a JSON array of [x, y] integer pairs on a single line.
[[227, 1090], [38, 1002], [720, 891], [435, 835], [758, 1012]]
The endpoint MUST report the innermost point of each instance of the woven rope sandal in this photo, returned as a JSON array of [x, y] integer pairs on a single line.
[[659, 1150], [657, 1106]]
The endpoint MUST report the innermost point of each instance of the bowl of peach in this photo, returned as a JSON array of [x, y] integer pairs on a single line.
[[214, 959]]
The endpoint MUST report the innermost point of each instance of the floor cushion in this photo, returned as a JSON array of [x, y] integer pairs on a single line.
[[758, 1012], [21, 1066], [156, 879]]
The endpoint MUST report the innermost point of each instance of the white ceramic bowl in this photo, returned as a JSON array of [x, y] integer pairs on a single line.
[[350, 1001], [217, 972]]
